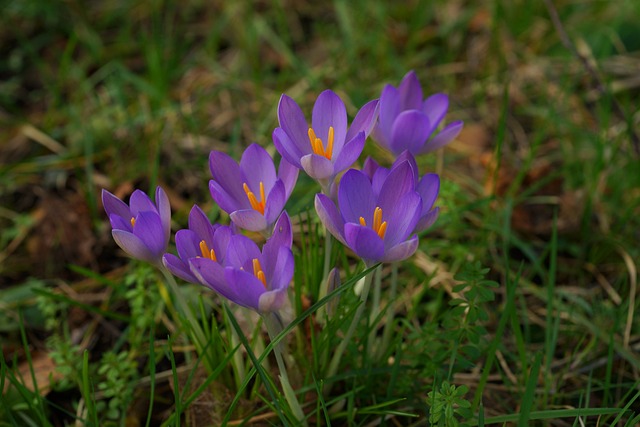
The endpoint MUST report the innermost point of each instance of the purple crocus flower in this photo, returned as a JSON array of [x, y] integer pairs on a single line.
[[251, 192], [376, 218], [254, 278], [142, 228], [427, 186], [200, 240], [407, 122], [329, 146]]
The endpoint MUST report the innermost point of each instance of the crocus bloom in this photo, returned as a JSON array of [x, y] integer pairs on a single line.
[[141, 229], [427, 186], [376, 219], [407, 122], [328, 146], [251, 192], [252, 278], [200, 240]]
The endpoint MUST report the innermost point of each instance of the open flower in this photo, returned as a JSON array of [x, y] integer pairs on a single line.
[[407, 122], [376, 219], [200, 240], [328, 146], [142, 228], [254, 278], [251, 192], [427, 186]]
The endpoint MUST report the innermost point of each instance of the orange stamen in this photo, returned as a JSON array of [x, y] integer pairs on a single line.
[[133, 221], [257, 271], [255, 204], [379, 226], [318, 147], [206, 252]]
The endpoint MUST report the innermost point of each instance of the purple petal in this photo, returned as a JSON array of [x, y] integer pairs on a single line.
[[427, 220], [380, 137], [355, 197], [132, 245], [271, 301], [364, 242], [226, 201], [435, 107], [398, 182], [276, 200], [120, 223], [389, 110], [211, 274], [329, 110], [148, 228], [369, 167], [401, 218], [402, 250], [179, 268], [247, 286], [188, 244], [288, 173], [329, 216], [164, 209], [410, 131], [114, 206], [317, 167], [221, 238], [240, 250], [406, 156], [294, 124], [256, 165], [249, 219], [226, 172], [282, 234], [350, 153], [200, 225], [279, 270], [364, 120], [443, 138], [410, 92], [428, 188], [140, 202], [287, 149]]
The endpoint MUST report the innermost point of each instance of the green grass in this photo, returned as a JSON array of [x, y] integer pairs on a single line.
[[541, 189]]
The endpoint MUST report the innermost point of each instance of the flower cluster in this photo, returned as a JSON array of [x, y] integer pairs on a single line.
[[376, 212]]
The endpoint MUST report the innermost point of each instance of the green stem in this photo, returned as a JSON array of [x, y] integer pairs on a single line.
[[391, 311], [274, 327], [324, 284], [337, 356], [375, 309]]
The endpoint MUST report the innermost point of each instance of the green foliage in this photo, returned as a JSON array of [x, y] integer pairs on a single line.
[[117, 371], [447, 405]]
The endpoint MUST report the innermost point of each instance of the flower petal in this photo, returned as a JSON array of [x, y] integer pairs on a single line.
[[240, 250], [249, 219], [140, 202], [226, 172], [401, 218], [435, 107], [225, 200], [330, 217], [256, 165], [179, 268], [294, 124], [276, 200], [164, 209], [364, 120], [355, 197], [427, 220], [199, 223], [329, 110], [402, 250], [428, 188], [188, 244], [247, 286], [364, 242], [317, 167], [149, 230], [280, 272], [397, 183], [288, 173], [132, 245], [114, 206], [120, 223], [350, 153], [271, 301], [211, 274], [445, 136], [389, 110], [369, 167], [410, 131], [281, 236], [410, 92]]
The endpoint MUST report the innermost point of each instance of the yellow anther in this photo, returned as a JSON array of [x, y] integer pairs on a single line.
[[379, 226], [257, 271], [133, 221], [318, 147], [256, 204], [206, 252]]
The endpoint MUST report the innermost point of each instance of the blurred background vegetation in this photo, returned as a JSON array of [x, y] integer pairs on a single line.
[[542, 186]]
